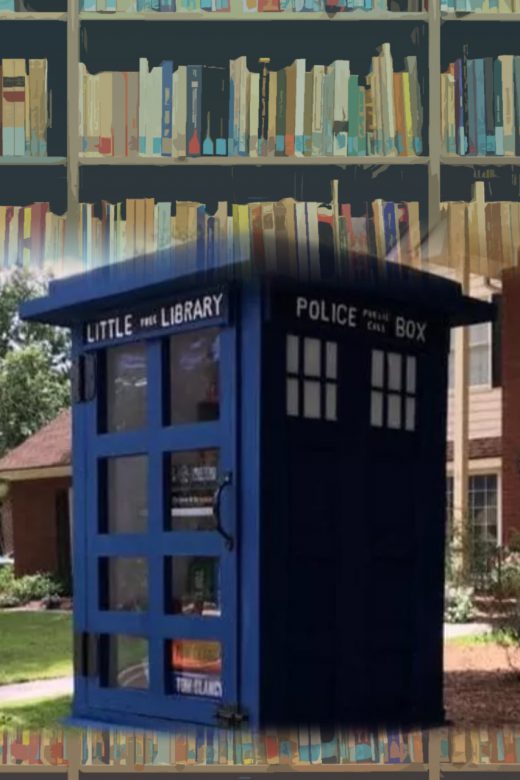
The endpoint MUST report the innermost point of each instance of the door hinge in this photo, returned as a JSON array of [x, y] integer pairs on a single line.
[[231, 715], [85, 654], [84, 378]]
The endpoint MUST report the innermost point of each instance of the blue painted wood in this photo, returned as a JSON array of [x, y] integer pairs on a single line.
[[326, 516]]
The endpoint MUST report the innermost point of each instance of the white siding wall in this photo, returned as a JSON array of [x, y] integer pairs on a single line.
[[485, 406]]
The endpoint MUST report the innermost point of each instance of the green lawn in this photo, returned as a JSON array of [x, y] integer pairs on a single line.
[[35, 714], [34, 646], [499, 637]]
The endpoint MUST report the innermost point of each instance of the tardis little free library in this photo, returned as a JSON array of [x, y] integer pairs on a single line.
[[259, 479]]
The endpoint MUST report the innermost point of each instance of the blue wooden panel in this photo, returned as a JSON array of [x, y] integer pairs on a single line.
[[251, 454], [158, 544]]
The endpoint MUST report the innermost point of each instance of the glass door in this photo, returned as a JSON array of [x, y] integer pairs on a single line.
[[162, 547]]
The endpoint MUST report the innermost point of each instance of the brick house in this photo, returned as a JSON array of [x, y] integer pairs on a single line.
[[36, 512]]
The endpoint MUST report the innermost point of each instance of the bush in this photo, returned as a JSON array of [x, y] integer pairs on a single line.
[[17, 591], [458, 607], [505, 575]]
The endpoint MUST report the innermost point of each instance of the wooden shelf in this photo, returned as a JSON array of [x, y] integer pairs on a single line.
[[203, 16], [271, 769], [256, 161], [470, 767], [33, 161], [480, 17], [33, 16], [478, 160]]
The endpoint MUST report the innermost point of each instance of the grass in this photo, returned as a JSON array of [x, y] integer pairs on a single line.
[[35, 714], [34, 646], [498, 637]]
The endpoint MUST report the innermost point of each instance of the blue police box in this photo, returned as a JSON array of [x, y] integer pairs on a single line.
[[259, 492]]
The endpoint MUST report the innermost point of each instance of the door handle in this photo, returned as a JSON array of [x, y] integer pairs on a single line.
[[224, 482]]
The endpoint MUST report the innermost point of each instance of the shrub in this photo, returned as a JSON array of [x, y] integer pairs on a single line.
[[458, 606], [505, 575], [17, 591]]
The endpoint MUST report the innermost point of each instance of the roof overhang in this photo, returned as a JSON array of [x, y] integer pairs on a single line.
[[79, 298], [45, 472]]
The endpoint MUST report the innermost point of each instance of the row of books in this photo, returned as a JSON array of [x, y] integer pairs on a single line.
[[32, 748], [482, 745], [282, 235], [112, 747], [480, 106], [297, 234], [484, 234], [14, 5], [303, 746], [481, 6], [31, 236], [196, 110], [248, 6], [24, 115]]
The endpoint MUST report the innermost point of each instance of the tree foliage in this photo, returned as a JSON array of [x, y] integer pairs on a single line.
[[34, 364]]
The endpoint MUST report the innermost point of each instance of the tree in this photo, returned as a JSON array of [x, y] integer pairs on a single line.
[[34, 364]]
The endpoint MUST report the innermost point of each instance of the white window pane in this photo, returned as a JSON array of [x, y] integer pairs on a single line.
[[330, 401], [331, 361], [311, 400], [292, 354], [377, 368], [394, 371], [394, 411], [410, 414], [312, 357], [411, 374], [451, 371], [292, 397], [480, 365], [376, 409], [480, 334]]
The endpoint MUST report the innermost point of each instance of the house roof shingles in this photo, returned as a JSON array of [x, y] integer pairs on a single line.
[[49, 447]]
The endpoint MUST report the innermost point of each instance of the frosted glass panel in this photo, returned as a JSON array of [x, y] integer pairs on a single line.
[[292, 354], [410, 414], [394, 371], [394, 411], [331, 369], [376, 409], [311, 357], [377, 368], [311, 400], [411, 374], [292, 397], [330, 402]]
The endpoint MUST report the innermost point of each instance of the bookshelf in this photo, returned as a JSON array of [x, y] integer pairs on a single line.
[[114, 41]]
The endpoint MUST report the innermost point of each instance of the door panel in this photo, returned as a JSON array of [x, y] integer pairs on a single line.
[[162, 593]]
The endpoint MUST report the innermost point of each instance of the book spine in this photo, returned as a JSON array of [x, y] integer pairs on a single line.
[[281, 108], [299, 108], [194, 110], [498, 108], [353, 114], [516, 76], [340, 128], [488, 96], [472, 113], [480, 106], [167, 81], [263, 110]]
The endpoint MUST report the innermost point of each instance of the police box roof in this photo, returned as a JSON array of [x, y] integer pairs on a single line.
[[78, 298]]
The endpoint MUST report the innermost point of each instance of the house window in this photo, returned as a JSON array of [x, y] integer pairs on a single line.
[[393, 394], [483, 351], [482, 510], [311, 378]]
